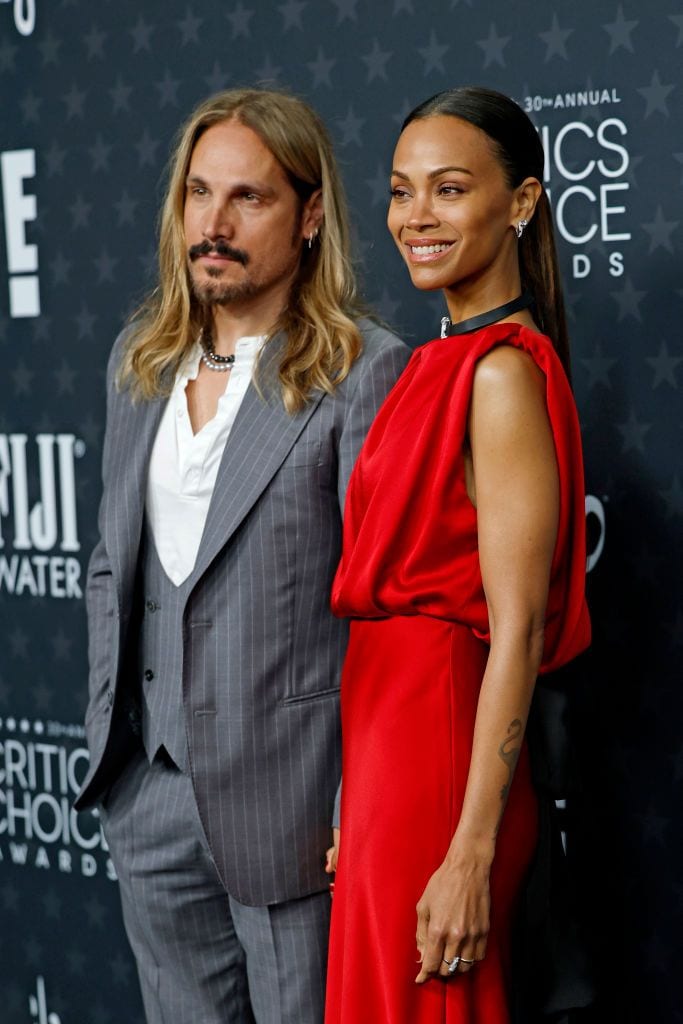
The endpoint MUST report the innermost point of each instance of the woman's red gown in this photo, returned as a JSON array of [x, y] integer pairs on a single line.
[[410, 581]]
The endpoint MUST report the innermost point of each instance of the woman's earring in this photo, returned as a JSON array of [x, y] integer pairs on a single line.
[[520, 228], [311, 238]]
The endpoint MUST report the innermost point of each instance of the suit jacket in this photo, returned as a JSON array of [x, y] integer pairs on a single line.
[[262, 652]]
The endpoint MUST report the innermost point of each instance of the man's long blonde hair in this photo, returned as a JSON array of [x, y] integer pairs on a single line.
[[319, 322]]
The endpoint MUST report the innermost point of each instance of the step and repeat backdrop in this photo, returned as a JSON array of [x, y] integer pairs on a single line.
[[91, 96]]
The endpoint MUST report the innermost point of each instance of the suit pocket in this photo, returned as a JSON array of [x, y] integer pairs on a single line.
[[307, 698], [303, 453]]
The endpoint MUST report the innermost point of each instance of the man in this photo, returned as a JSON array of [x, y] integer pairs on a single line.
[[214, 658]]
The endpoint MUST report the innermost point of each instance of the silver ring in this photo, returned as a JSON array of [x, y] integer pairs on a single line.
[[452, 964]]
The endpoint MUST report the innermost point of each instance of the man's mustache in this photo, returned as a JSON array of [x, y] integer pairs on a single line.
[[218, 248]]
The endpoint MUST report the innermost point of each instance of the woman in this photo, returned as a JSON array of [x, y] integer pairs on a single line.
[[463, 573]]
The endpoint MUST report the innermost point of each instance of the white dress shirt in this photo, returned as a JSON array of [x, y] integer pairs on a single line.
[[184, 466]]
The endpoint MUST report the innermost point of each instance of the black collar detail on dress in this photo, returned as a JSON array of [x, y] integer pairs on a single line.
[[475, 323]]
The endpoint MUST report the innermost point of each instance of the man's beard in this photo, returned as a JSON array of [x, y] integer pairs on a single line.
[[216, 293]]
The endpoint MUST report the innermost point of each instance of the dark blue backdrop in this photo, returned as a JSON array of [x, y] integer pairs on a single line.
[[91, 98]]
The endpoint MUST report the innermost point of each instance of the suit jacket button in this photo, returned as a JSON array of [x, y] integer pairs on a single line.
[[149, 675], [110, 697], [151, 606]]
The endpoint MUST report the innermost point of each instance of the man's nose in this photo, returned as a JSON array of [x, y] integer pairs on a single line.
[[217, 223]]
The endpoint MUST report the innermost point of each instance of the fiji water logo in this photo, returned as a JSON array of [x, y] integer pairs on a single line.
[[37, 1004], [24, 15], [38, 521]]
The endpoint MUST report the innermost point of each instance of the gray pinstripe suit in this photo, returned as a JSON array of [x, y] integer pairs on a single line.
[[261, 652]]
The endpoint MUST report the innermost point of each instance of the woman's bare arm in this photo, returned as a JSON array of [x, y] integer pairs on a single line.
[[516, 492]]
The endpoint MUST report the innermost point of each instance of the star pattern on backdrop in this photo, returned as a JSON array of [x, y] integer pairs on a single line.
[[239, 17], [376, 62], [80, 212], [346, 10], [125, 208], [74, 101], [633, 433], [189, 27], [433, 54], [85, 322], [42, 328], [60, 268], [22, 376], [30, 108], [99, 153], [555, 39], [49, 48], [94, 43], [656, 96], [664, 366], [146, 148], [141, 34], [167, 90], [628, 300], [321, 69], [120, 96], [351, 127], [598, 366], [493, 47], [8, 56], [620, 31], [218, 78], [292, 13], [660, 231], [54, 159], [64, 376], [267, 73]]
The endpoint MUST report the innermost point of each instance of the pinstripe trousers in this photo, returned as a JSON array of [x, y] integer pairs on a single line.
[[203, 957]]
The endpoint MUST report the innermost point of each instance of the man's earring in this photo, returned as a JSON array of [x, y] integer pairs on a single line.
[[520, 228]]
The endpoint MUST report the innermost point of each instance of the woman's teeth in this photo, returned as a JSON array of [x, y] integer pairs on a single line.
[[427, 250]]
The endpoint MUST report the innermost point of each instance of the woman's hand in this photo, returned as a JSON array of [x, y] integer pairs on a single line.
[[453, 916]]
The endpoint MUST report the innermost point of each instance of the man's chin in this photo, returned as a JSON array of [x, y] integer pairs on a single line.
[[216, 293]]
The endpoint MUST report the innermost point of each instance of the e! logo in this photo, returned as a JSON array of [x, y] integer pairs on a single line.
[[19, 208]]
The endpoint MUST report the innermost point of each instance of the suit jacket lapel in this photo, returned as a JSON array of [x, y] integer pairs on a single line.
[[262, 435], [127, 487]]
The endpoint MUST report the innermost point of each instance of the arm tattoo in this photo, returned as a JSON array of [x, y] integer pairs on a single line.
[[508, 752]]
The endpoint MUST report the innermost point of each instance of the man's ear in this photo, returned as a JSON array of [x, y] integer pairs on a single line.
[[312, 214]]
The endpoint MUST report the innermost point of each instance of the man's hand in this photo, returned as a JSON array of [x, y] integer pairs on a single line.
[[332, 855]]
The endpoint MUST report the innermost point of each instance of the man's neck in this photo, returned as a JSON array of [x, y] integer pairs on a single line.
[[248, 319], [228, 326]]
